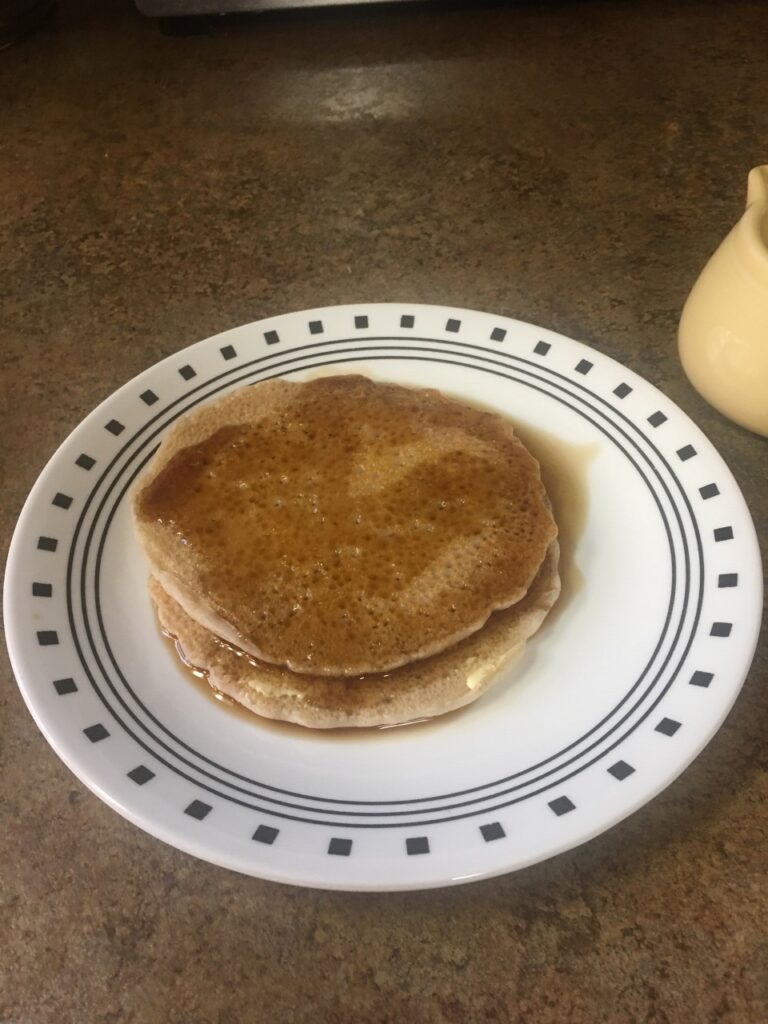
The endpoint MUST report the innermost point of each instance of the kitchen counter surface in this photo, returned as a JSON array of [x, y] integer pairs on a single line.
[[569, 164]]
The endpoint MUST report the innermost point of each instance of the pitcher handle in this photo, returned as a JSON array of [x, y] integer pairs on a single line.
[[757, 185]]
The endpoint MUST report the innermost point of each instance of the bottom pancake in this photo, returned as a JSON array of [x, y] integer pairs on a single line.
[[421, 689]]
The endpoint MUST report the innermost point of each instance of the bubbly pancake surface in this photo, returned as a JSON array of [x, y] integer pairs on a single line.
[[343, 526]]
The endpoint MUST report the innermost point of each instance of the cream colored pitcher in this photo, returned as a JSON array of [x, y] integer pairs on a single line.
[[723, 335]]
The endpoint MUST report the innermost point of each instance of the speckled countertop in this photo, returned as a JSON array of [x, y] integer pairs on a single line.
[[570, 164]]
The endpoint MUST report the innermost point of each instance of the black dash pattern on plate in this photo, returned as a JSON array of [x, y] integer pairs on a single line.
[[721, 629], [562, 805], [64, 686], [416, 845], [700, 678], [668, 726], [340, 847], [621, 770], [493, 830], [266, 834], [97, 732], [198, 810], [141, 775]]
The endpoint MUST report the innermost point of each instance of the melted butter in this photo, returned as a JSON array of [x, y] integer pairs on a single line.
[[328, 534]]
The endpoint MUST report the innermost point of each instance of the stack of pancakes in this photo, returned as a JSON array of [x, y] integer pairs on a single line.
[[344, 552]]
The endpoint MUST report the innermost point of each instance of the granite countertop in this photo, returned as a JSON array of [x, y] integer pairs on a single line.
[[570, 164]]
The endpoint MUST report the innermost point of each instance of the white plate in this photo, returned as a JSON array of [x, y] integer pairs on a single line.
[[621, 689]]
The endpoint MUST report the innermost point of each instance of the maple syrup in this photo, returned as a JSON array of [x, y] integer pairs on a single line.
[[361, 527], [564, 469]]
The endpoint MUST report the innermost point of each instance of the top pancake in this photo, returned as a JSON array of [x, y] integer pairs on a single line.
[[342, 526]]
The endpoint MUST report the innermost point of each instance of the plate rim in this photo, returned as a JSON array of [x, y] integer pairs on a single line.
[[262, 869]]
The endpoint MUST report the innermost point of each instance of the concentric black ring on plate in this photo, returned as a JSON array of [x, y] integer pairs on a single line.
[[271, 799]]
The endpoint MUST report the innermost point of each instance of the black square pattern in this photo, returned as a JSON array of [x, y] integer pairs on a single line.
[[61, 500], [85, 461], [114, 427], [148, 397], [198, 810], [724, 533], [315, 326], [228, 352], [47, 637], [361, 322], [453, 326], [718, 629], [668, 726], [47, 543], [583, 366], [701, 678], [42, 590], [686, 452], [64, 686], [622, 390], [728, 579], [141, 775], [498, 334], [541, 348], [416, 844], [657, 418], [271, 337], [266, 834], [187, 372], [493, 830], [407, 321], [340, 847], [562, 805], [709, 491], [621, 770], [96, 733]]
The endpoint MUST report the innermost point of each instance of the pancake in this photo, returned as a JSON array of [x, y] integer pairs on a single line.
[[422, 689], [342, 526]]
